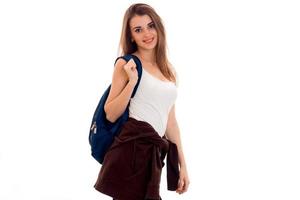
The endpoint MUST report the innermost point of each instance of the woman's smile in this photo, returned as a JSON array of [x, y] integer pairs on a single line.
[[148, 41]]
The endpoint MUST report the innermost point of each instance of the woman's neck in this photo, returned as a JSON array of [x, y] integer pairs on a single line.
[[147, 56]]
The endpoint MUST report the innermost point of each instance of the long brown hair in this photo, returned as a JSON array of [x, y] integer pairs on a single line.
[[128, 47]]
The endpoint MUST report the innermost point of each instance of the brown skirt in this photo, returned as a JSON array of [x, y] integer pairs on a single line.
[[131, 169]]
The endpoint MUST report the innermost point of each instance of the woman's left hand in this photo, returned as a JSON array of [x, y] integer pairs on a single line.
[[183, 182]]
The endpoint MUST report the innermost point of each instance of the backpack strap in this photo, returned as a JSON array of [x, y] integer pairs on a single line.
[[139, 68]]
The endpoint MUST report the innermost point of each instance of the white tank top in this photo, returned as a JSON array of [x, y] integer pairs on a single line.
[[152, 101]]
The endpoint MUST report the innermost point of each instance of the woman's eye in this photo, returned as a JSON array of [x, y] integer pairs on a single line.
[[151, 26], [137, 30]]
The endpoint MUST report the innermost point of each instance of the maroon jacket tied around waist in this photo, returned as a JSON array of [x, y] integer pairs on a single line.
[[132, 166]]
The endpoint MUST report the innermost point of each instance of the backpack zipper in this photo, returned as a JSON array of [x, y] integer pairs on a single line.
[[94, 128]]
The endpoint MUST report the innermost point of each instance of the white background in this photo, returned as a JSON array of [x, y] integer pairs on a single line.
[[237, 107]]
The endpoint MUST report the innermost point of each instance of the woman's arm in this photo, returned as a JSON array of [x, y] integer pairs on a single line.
[[121, 89], [173, 134]]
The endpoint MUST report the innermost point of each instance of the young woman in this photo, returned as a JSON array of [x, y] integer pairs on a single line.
[[132, 167]]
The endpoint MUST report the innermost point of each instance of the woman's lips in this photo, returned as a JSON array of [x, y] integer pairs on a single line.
[[148, 40]]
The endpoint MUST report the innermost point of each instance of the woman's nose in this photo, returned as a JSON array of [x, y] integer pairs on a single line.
[[147, 32]]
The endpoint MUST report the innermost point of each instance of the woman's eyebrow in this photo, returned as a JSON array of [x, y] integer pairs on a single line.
[[141, 27]]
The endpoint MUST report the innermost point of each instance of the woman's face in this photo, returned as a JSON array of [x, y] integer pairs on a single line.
[[143, 32]]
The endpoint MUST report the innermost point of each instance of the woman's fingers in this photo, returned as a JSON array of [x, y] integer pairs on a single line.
[[182, 185], [131, 63], [186, 185], [130, 68]]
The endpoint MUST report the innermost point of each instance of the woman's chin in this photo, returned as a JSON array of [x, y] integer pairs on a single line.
[[148, 47]]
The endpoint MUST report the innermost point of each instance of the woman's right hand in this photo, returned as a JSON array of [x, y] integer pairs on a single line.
[[130, 69]]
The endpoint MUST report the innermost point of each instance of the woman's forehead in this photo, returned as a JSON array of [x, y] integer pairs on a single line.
[[141, 21]]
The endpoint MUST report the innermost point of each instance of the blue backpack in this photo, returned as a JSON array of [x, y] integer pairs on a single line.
[[102, 131]]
